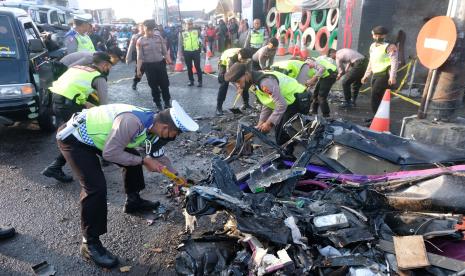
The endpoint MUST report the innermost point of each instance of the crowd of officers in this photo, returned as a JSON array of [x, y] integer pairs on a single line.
[[91, 127]]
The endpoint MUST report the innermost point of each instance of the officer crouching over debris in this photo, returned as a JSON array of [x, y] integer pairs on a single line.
[[281, 96], [114, 131]]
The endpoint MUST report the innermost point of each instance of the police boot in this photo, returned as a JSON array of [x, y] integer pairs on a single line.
[[346, 104], [92, 249], [134, 85], [246, 106], [6, 232], [219, 109], [200, 84], [55, 170], [159, 106], [354, 100], [190, 83], [134, 203]]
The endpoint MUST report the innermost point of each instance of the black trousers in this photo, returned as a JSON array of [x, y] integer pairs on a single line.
[[223, 90], [379, 84], [351, 82], [189, 57], [85, 164], [157, 77], [63, 109], [320, 95], [281, 135]]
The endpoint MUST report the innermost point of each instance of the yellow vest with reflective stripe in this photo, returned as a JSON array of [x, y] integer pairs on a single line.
[[190, 40], [379, 58], [291, 68], [227, 55], [288, 88], [257, 38], [328, 64], [84, 43], [76, 83]]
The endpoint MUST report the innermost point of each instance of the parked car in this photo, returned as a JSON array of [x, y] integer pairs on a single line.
[[26, 71]]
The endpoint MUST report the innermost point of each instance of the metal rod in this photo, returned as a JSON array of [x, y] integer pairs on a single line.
[[412, 77], [430, 90]]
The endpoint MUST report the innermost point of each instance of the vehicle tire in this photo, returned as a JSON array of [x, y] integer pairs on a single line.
[[332, 19], [304, 24], [271, 17], [322, 40], [46, 119]]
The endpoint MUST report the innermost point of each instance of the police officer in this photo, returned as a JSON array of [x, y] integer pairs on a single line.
[[324, 78], [277, 93], [152, 58], [189, 41], [264, 57], [383, 66], [227, 59], [132, 53], [70, 94], [297, 69], [256, 37], [352, 65], [114, 131], [77, 40]]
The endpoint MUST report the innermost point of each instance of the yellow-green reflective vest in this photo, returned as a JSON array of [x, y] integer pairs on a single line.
[[379, 58], [84, 43], [228, 55], [328, 64], [287, 85], [190, 40], [99, 122], [76, 83], [292, 68], [257, 38]]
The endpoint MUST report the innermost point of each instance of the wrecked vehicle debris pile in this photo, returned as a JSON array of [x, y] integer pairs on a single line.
[[348, 201]]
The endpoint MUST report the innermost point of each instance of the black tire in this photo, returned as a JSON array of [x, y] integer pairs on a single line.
[[46, 119]]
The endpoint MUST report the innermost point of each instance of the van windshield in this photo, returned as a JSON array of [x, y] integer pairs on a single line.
[[8, 46]]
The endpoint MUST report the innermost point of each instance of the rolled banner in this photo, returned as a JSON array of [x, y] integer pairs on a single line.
[[318, 19], [332, 19], [272, 17], [322, 40], [305, 21]]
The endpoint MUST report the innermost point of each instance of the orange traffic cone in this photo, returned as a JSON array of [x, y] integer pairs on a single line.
[[194, 71], [207, 68], [296, 51], [209, 52], [303, 50], [291, 47], [179, 66], [281, 51], [381, 120]]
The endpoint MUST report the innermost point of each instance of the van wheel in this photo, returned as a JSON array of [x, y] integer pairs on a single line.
[[46, 119]]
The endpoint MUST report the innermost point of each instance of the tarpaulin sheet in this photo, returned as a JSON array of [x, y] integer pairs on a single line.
[[284, 6], [390, 147]]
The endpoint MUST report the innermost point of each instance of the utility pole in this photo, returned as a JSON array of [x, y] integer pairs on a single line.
[[166, 12], [449, 86], [156, 11]]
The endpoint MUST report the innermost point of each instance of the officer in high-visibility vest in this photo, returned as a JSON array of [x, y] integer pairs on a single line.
[[227, 59], [114, 131], [256, 37], [77, 40], [279, 95], [189, 43], [382, 64], [296, 69], [70, 94], [324, 78]]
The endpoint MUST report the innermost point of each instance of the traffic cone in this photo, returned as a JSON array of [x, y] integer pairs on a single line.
[[381, 120], [207, 68], [281, 50], [194, 71], [179, 66], [291, 47], [296, 51], [209, 52], [303, 50]]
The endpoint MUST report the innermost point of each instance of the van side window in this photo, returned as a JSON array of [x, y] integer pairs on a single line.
[[54, 18]]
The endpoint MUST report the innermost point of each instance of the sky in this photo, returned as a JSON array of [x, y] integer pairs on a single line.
[[143, 9]]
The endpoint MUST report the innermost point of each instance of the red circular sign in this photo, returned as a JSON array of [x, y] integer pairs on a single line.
[[436, 41]]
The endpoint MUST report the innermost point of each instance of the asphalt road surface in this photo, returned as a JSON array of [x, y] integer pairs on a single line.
[[45, 213]]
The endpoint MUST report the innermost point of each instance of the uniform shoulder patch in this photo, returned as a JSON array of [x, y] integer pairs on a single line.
[[265, 89]]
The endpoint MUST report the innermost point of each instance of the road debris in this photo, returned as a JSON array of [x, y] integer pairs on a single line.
[[331, 200]]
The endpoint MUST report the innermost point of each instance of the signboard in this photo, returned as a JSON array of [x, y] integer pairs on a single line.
[[285, 6], [247, 11], [436, 41]]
